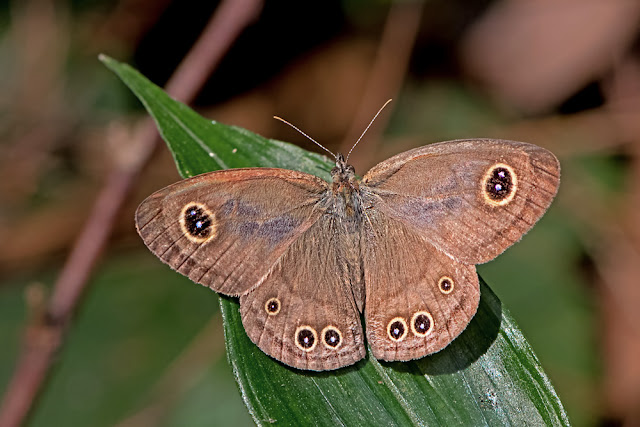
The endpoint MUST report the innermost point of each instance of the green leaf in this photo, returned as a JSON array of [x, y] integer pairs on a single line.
[[489, 375]]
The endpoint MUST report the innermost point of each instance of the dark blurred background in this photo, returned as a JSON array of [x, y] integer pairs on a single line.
[[146, 345]]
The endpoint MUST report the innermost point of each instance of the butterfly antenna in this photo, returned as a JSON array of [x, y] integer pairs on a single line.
[[308, 137], [365, 131]]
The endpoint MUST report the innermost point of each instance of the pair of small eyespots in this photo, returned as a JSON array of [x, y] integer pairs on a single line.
[[421, 325], [306, 337]]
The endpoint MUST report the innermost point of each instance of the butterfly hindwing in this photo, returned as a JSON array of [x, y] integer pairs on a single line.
[[304, 313], [418, 299]]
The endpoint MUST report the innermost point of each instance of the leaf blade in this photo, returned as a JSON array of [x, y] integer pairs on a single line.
[[489, 375]]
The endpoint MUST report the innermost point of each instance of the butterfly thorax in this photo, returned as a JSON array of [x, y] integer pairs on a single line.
[[346, 209], [346, 189]]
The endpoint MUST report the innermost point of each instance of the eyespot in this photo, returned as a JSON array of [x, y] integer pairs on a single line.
[[499, 184], [446, 284], [397, 329], [422, 323], [331, 337], [306, 338], [197, 222], [272, 306]]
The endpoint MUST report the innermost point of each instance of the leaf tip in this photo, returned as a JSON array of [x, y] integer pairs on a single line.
[[104, 58]]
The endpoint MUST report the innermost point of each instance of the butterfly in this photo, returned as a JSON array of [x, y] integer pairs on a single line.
[[307, 257]]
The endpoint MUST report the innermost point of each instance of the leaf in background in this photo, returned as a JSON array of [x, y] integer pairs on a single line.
[[489, 375]]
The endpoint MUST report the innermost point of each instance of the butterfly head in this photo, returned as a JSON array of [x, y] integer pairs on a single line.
[[344, 176]]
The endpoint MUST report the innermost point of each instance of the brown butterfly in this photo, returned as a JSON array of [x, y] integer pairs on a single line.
[[307, 256]]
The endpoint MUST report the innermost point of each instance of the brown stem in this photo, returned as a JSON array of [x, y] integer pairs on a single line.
[[45, 334]]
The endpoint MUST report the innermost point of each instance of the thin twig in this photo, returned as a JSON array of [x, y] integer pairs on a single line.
[[45, 335]]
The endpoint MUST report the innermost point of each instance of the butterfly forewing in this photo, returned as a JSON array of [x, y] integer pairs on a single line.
[[470, 198], [221, 230]]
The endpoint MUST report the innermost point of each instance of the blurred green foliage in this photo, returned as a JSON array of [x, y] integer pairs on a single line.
[[136, 320]]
